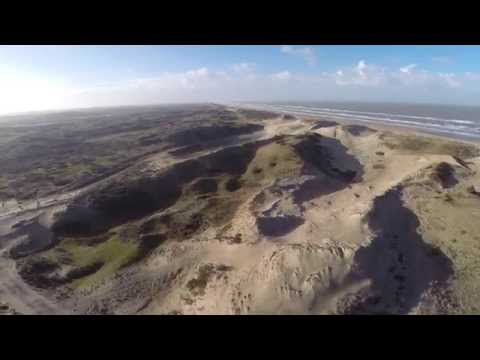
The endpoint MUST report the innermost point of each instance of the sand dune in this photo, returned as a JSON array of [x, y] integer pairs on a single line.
[[262, 214]]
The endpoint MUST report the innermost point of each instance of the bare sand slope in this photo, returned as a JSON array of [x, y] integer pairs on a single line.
[[300, 217]]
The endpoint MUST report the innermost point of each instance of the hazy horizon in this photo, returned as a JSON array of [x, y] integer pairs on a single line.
[[339, 102], [56, 78]]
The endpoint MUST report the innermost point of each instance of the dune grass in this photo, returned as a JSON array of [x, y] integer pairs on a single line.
[[272, 161], [429, 145], [113, 254], [78, 168], [3, 182], [104, 161]]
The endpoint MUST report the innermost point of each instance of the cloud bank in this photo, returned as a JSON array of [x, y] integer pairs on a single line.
[[242, 82], [361, 81]]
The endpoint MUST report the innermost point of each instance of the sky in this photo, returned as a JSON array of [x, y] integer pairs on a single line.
[[62, 77]]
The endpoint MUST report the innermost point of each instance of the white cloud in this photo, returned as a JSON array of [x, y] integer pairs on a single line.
[[189, 80], [451, 79], [472, 76], [360, 68], [361, 74], [247, 70], [283, 75], [306, 53], [242, 82], [202, 72], [244, 67], [408, 69]]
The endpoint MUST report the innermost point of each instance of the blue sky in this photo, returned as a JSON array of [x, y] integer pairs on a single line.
[[44, 77]]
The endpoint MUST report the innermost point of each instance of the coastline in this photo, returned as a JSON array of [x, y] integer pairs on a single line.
[[402, 129], [410, 129]]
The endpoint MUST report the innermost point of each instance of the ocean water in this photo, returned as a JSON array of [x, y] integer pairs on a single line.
[[462, 122]]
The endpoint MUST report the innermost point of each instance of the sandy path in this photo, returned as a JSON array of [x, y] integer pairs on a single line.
[[21, 296], [13, 290]]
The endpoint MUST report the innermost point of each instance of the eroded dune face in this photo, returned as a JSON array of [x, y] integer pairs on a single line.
[[266, 214]]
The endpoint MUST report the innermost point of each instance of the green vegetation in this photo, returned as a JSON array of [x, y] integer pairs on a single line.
[[39, 171], [429, 145], [272, 161], [197, 285], [104, 161], [113, 254], [205, 273], [77, 168], [3, 182]]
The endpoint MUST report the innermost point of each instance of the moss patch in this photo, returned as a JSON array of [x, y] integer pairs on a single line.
[[113, 254]]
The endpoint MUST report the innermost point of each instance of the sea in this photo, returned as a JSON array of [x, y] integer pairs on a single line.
[[456, 121]]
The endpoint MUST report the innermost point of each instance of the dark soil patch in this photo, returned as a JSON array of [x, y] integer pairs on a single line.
[[237, 239], [40, 273], [256, 114], [205, 273], [179, 226], [359, 130], [39, 238], [151, 140], [462, 162], [233, 184], [278, 226], [83, 271], [324, 124], [148, 243], [205, 134], [205, 186], [444, 174]]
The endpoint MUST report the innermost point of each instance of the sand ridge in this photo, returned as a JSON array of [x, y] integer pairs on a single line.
[[299, 217]]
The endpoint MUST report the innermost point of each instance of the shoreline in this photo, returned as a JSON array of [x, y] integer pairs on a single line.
[[402, 129], [412, 130]]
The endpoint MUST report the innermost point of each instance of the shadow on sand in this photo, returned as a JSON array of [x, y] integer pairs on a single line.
[[400, 265], [330, 168]]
